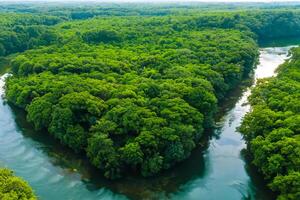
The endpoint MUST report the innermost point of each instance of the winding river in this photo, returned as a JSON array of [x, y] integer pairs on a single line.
[[217, 171]]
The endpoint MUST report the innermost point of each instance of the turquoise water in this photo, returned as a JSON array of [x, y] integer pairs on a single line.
[[214, 171]]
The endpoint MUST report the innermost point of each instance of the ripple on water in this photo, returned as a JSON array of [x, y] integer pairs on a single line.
[[72, 183], [42, 175], [31, 166], [18, 152], [55, 178], [28, 155], [229, 141], [242, 188], [106, 194], [8, 144]]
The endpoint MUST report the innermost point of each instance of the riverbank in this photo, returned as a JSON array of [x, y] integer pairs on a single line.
[[55, 171], [271, 129], [4, 65]]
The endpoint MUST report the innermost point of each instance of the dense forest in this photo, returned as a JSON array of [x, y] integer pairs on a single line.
[[20, 32], [12, 187], [272, 128], [143, 95], [134, 91]]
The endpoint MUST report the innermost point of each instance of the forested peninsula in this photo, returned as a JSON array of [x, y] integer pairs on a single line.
[[135, 92]]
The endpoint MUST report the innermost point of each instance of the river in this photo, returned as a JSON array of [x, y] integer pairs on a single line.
[[215, 172]]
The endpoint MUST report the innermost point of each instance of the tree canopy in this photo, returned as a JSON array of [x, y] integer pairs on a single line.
[[12, 187], [136, 92], [272, 128]]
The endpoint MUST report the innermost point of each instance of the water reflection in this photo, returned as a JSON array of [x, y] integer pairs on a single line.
[[55, 171], [228, 175], [214, 171]]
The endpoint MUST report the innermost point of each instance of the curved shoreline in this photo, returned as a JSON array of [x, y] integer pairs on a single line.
[[53, 173]]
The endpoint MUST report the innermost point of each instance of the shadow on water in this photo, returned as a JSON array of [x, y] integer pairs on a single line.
[[257, 178], [134, 187], [279, 42], [4, 65], [228, 103], [203, 167]]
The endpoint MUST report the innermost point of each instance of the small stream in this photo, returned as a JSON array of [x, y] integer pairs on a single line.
[[211, 173]]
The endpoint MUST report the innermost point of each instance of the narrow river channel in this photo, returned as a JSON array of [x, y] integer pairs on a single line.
[[216, 172]]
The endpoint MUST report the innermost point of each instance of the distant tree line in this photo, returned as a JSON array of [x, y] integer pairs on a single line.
[[21, 32], [135, 93]]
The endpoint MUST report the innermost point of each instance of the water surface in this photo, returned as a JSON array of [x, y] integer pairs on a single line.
[[227, 176], [213, 172]]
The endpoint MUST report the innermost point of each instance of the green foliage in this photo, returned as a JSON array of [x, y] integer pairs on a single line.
[[20, 32], [134, 92], [272, 129], [12, 187], [102, 153], [152, 165], [104, 36], [288, 185]]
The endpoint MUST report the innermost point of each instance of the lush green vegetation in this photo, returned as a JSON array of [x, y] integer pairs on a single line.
[[272, 128], [12, 187], [134, 92], [20, 32], [140, 102]]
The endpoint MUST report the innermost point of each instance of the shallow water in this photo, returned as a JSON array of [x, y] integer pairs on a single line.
[[227, 177], [211, 173]]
